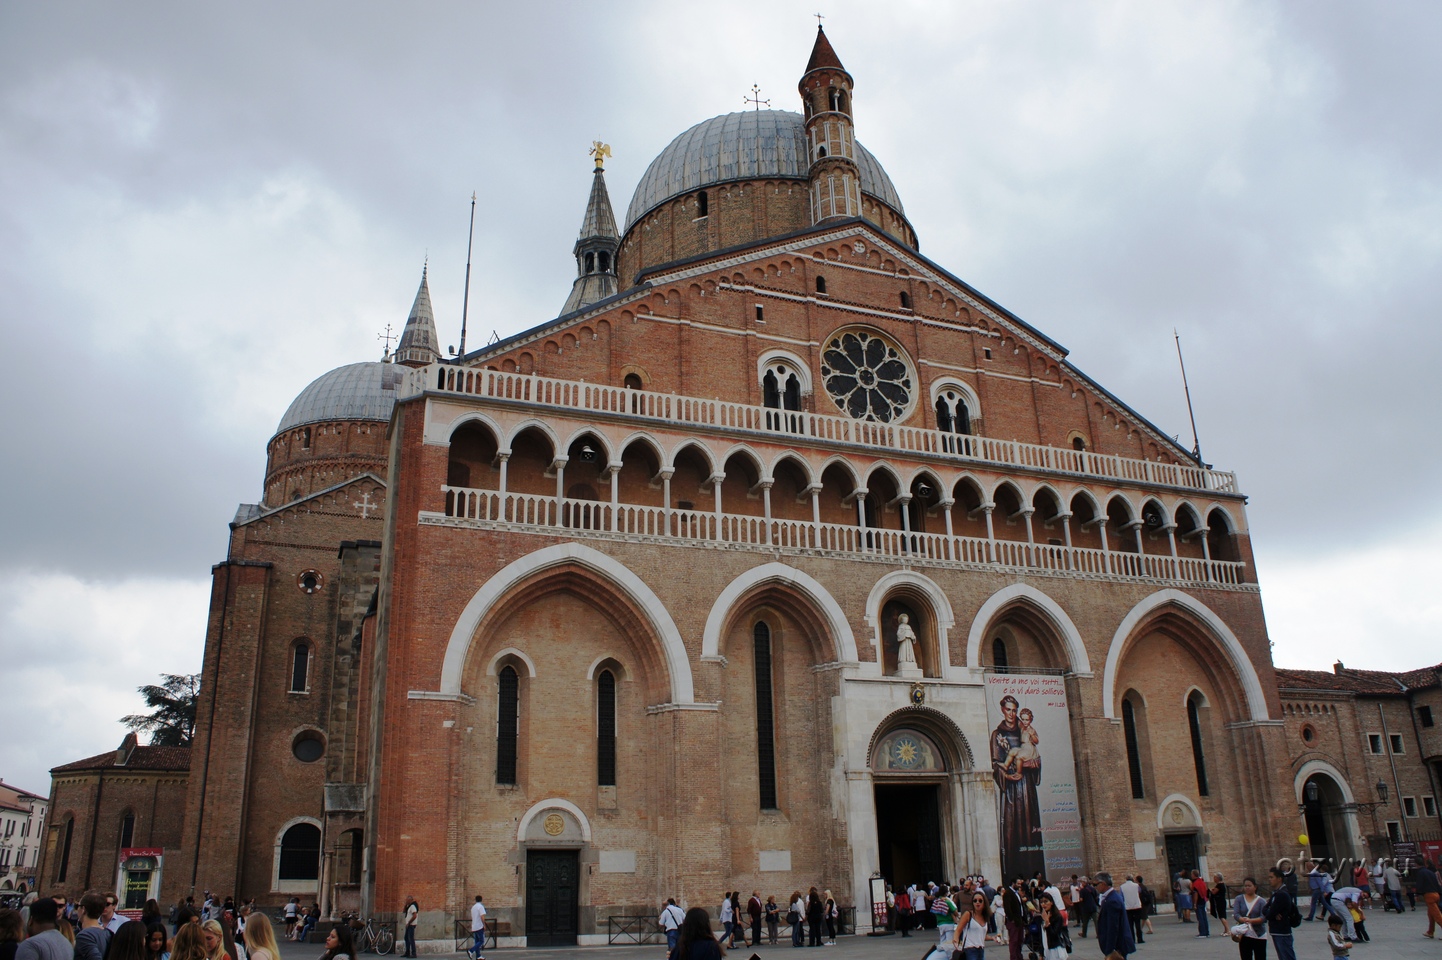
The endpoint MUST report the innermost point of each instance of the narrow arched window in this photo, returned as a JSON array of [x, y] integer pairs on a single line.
[[300, 853], [765, 717], [1194, 722], [820, 284], [603, 260], [590, 263], [835, 99], [943, 416], [792, 397], [300, 668], [905, 300], [770, 391], [65, 850], [1134, 751], [127, 830], [606, 729], [507, 725], [999, 658], [703, 205]]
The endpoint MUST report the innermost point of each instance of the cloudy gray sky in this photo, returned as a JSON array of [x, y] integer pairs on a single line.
[[203, 207]]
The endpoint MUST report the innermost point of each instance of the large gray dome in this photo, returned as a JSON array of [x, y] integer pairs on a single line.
[[747, 145], [357, 391]]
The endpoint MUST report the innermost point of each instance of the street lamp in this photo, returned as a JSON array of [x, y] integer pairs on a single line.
[[1382, 791]]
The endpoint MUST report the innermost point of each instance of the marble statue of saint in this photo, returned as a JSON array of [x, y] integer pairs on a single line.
[[905, 641]]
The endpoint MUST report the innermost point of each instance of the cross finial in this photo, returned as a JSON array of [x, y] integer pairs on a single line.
[[818, 17], [600, 151], [387, 337], [756, 98]]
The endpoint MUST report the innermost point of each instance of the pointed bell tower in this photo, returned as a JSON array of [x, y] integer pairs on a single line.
[[826, 97], [595, 248], [418, 343]]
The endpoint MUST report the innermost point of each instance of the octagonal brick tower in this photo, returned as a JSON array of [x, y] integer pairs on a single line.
[[835, 180]]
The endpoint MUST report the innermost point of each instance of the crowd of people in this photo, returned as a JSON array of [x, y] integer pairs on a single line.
[[814, 919], [57, 928], [1035, 919]]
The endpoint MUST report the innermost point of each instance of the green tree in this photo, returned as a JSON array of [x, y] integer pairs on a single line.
[[171, 720]]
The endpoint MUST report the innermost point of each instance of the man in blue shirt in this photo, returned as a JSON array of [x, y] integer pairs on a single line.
[[1114, 933]]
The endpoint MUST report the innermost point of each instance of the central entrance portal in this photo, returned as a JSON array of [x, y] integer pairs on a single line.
[[908, 833], [552, 897]]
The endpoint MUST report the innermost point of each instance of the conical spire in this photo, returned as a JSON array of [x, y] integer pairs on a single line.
[[596, 246], [822, 55], [599, 220], [418, 343]]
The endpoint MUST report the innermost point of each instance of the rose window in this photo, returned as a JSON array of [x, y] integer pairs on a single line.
[[866, 376]]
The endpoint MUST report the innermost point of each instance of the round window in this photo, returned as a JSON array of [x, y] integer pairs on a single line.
[[1308, 734], [310, 581], [867, 376], [308, 747]]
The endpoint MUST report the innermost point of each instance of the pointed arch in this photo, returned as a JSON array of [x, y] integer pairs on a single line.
[[1231, 648], [940, 727], [747, 452], [678, 666], [539, 426], [607, 447], [645, 440], [440, 434], [702, 451], [790, 456], [1078, 661], [778, 573], [935, 597], [842, 464]]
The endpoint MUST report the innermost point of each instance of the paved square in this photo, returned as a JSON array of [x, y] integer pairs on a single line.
[[1393, 938]]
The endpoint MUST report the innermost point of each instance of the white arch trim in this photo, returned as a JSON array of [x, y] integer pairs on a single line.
[[439, 432], [792, 361], [1078, 661], [554, 803], [1185, 801], [493, 668], [292, 886], [945, 619], [677, 663], [1241, 663], [778, 573], [1321, 766]]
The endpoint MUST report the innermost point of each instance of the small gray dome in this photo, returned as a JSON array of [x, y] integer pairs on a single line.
[[747, 145], [357, 391]]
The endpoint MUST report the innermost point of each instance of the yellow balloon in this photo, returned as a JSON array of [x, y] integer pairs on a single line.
[[1302, 839]]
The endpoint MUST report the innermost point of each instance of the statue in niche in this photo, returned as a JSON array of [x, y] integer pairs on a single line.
[[905, 644]]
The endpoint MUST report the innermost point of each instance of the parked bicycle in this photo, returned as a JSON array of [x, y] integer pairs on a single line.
[[372, 937]]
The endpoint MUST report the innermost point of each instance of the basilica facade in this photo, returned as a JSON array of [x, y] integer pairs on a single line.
[[609, 611]]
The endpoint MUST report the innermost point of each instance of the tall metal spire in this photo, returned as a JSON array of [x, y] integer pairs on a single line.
[[419, 345], [595, 248]]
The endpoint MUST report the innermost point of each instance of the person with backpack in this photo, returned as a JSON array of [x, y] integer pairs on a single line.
[[903, 913], [1282, 916]]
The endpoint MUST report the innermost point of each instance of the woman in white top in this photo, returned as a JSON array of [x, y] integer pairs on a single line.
[[1250, 931], [970, 935]]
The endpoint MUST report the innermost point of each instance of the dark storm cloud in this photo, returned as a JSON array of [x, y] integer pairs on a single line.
[[202, 208]]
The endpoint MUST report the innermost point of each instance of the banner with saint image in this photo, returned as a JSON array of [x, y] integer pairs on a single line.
[[1032, 763]]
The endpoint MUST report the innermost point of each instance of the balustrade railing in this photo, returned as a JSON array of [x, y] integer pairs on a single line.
[[740, 417], [661, 523]]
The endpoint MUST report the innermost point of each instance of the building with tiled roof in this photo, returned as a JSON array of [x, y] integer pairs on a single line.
[[22, 822], [1366, 753], [116, 821]]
